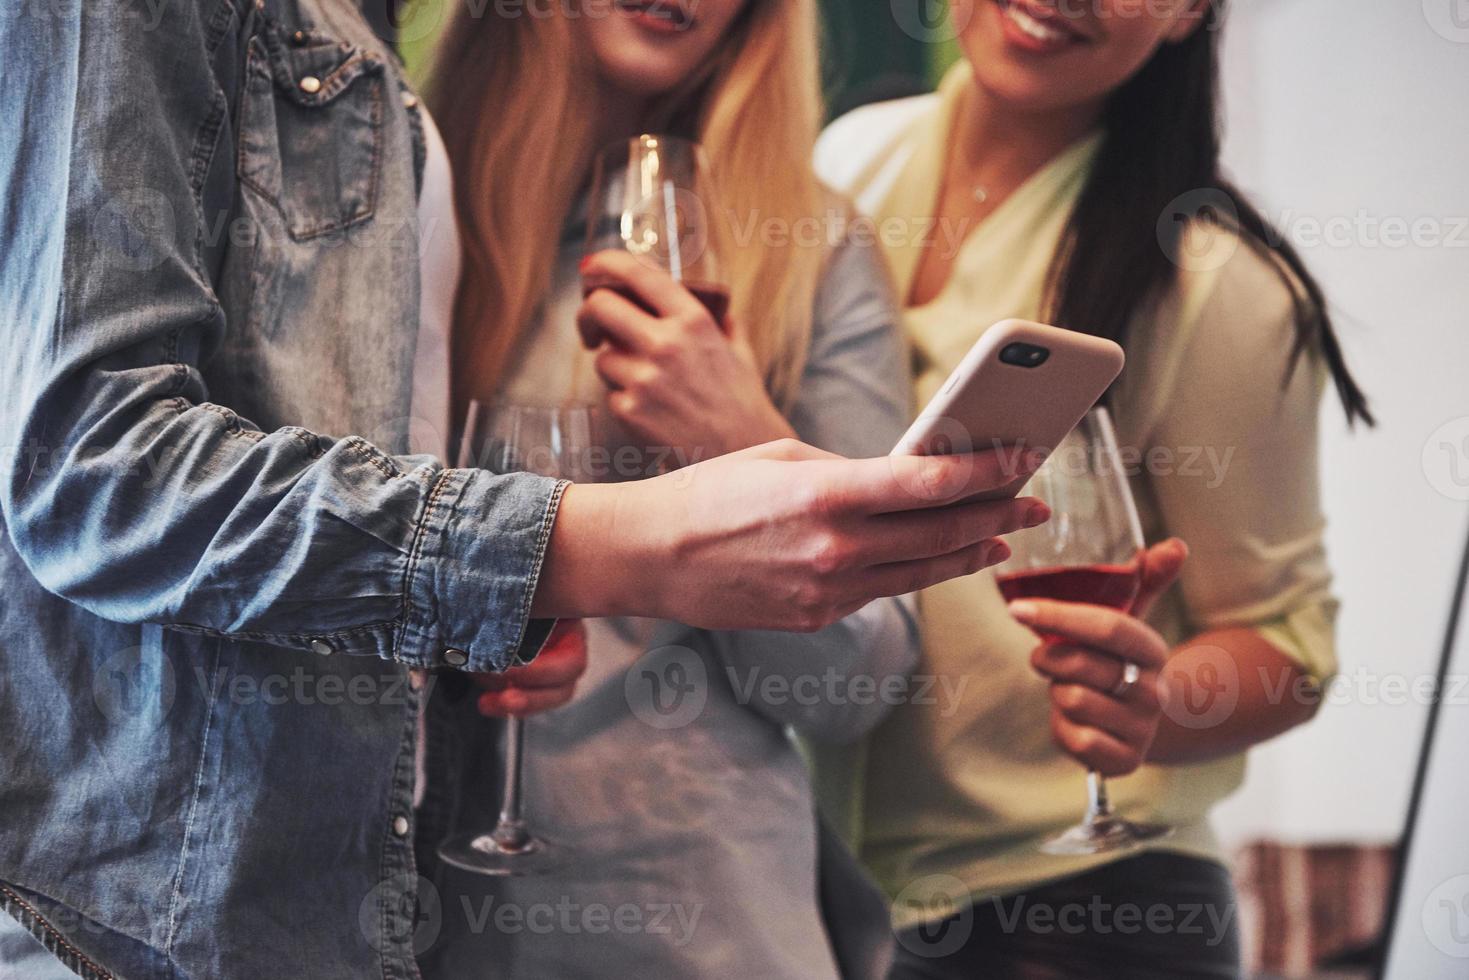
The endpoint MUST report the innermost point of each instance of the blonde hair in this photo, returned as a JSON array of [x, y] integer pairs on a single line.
[[512, 98]]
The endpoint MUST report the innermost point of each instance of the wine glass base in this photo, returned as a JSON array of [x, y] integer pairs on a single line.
[[483, 854], [1103, 835]]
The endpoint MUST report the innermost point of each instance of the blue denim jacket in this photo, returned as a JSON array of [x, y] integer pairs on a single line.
[[216, 564]]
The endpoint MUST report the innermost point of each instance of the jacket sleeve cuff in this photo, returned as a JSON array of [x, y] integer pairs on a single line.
[[472, 572]]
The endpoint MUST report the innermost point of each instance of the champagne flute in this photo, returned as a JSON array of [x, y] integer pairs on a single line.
[[653, 197], [555, 442], [1090, 551]]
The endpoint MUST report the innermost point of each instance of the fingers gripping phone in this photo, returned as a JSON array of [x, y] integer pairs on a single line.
[[1022, 386]]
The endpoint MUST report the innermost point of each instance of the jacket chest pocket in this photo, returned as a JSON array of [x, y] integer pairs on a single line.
[[311, 117]]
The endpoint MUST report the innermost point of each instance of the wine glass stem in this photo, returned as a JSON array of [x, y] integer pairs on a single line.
[[1099, 804], [510, 830]]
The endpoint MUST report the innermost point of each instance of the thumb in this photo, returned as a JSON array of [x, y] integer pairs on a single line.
[[1161, 565]]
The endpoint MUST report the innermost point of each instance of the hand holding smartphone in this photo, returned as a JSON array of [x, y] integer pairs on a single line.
[[1023, 385]]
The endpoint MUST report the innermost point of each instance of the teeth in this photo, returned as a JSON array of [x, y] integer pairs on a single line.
[[1032, 26]]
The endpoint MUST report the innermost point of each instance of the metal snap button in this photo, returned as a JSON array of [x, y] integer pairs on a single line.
[[321, 646], [400, 826], [310, 85], [299, 39], [455, 658]]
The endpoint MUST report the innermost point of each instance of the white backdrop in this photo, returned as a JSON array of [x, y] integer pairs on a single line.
[[1347, 122]]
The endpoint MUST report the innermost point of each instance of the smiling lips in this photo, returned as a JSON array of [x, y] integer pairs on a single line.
[[664, 15], [1037, 27]]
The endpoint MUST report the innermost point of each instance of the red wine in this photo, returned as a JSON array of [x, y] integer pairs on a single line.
[[714, 296], [1114, 586]]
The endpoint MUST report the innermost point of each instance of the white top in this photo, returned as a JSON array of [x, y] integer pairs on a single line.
[[439, 267], [439, 264]]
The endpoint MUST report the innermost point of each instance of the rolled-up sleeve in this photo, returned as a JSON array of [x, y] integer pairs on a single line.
[[124, 489], [854, 401], [1235, 467]]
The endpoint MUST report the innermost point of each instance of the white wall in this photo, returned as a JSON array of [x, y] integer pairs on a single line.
[[1348, 110]]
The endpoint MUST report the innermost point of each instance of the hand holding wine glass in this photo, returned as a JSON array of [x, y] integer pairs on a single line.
[[675, 378], [1082, 582], [547, 682], [680, 372], [1085, 660], [555, 441]]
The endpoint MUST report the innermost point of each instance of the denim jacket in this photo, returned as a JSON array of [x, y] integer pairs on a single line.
[[217, 559]]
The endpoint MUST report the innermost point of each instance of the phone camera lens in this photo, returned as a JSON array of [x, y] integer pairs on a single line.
[[1024, 355]]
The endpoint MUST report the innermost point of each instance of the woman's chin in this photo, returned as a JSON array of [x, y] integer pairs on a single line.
[[643, 79], [1024, 89]]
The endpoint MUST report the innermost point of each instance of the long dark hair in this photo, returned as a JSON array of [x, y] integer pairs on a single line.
[[1160, 148]]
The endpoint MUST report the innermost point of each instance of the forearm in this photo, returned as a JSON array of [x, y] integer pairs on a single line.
[[1229, 689]]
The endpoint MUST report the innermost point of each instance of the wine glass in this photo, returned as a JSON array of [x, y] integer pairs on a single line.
[[1090, 551], [653, 197], [555, 442]]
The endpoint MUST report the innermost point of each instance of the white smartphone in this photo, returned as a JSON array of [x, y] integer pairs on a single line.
[[1022, 386]]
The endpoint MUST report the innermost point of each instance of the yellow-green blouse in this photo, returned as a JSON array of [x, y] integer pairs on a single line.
[[959, 792]]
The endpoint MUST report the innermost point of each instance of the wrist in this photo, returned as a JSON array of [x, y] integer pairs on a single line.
[[596, 556], [772, 427]]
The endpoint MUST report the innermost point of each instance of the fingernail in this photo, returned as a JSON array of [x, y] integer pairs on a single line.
[[586, 260], [1035, 459], [998, 552], [1037, 514], [1023, 610]]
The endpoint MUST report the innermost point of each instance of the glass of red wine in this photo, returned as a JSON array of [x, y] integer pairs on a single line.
[[1089, 551], [558, 442], [653, 197]]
